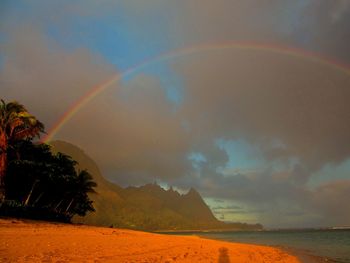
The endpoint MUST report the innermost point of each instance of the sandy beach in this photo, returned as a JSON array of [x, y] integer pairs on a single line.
[[30, 241]]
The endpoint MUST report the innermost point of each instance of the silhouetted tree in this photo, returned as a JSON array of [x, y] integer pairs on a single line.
[[80, 203], [29, 167], [15, 124], [32, 178], [38, 178]]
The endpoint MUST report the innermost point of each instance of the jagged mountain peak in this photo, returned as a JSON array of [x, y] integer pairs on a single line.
[[147, 207], [192, 192]]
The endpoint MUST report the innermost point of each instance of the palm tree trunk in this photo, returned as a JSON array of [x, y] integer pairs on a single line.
[[70, 203], [3, 166], [59, 203], [39, 197], [30, 193]]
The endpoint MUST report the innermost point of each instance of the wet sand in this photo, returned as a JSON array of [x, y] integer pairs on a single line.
[[307, 257], [31, 241]]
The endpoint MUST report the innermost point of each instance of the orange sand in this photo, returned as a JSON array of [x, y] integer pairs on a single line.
[[30, 241]]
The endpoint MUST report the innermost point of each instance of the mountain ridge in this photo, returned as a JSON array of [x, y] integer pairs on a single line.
[[147, 207]]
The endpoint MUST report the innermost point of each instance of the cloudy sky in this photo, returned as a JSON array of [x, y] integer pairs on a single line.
[[263, 133]]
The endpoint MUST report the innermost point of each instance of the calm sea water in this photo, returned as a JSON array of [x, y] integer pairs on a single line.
[[332, 244]]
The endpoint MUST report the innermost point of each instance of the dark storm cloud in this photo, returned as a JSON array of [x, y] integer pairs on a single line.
[[331, 200], [324, 28], [318, 25], [45, 77], [263, 97]]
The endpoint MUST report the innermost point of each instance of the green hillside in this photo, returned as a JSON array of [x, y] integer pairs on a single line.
[[148, 207]]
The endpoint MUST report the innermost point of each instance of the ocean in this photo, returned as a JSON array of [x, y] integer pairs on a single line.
[[318, 245]]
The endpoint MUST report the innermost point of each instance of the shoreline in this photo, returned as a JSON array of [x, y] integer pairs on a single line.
[[302, 255], [37, 241], [306, 257], [203, 231]]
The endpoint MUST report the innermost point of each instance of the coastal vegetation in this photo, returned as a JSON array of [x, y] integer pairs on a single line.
[[34, 181]]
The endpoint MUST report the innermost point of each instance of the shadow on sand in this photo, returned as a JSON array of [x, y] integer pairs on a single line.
[[223, 255]]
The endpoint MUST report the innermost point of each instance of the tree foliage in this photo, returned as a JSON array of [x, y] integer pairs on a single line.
[[37, 182], [40, 179], [15, 124]]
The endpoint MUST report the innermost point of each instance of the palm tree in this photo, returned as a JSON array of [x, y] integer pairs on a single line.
[[15, 124], [84, 184]]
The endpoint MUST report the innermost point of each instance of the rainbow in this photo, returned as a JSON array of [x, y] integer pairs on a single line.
[[166, 56]]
